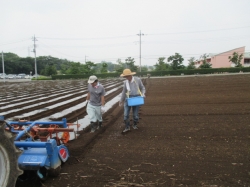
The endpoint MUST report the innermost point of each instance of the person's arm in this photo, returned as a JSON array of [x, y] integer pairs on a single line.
[[123, 95], [142, 87], [103, 101], [88, 97], [124, 90]]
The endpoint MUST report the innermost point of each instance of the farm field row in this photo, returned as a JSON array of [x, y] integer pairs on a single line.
[[193, 131], [51, 100]]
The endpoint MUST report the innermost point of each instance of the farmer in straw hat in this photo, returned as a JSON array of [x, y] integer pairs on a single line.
[[131, 88]]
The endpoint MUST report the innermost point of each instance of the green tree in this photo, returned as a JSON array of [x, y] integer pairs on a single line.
[[144, 68], [99, 67], [64, 67], [10, 63], [75, 68], [120, 66], [10, 57], [26, 65], [130, 62], [191, 63], [204, 64], [104, 68], [160, 66], [49, 70], [236, 59], [176, 61], [88, 67]]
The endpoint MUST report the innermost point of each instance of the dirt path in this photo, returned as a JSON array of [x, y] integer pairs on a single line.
[[193, 131]]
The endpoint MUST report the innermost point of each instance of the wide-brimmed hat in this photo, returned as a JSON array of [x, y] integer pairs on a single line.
[[127, 72], [92, 79]]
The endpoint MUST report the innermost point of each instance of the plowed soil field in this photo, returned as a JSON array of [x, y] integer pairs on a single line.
[[193, 131]]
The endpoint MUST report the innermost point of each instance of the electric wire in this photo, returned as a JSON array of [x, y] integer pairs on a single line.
[[14, 42], [194, 32], [98, 38], [44, 47]]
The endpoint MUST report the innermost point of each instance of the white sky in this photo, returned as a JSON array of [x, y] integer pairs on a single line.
[[105, 30]]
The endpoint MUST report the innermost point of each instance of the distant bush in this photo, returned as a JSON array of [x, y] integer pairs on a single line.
[[160, 73], [41, 78]]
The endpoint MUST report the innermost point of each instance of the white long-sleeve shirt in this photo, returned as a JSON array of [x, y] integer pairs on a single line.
[[133, 88]]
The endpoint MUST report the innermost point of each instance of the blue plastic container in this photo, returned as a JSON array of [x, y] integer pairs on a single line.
[[135, 101]]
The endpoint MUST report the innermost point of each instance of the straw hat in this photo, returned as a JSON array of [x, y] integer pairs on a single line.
[[127, 72]]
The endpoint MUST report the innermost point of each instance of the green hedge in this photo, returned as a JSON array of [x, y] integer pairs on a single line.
[[159, 73], [41, 78]]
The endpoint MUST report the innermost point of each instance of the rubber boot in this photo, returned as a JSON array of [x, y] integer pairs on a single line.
[[92, 125], [135, 125], [99, 125], [127, 126]]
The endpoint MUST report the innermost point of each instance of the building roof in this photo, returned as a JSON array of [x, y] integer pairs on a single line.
[[226, 51], [212, 54], [247, 55]]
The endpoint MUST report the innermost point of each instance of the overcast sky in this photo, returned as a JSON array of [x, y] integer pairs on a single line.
[[107, 30]]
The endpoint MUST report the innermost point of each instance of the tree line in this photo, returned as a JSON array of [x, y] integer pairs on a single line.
[[48, 65]]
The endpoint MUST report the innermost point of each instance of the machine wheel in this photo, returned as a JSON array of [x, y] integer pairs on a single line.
[[9, 170], [54, 172]]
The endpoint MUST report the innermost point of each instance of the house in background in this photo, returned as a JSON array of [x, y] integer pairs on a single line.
[[246, 59], [221, 60]]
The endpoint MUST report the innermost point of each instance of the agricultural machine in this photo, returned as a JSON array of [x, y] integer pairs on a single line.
[[32, 146]]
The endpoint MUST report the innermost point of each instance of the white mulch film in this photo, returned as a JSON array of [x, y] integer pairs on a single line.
[[15, 94]]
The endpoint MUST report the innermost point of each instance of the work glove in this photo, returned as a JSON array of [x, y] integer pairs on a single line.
[[143, 95], [103, 110], [120, 103]]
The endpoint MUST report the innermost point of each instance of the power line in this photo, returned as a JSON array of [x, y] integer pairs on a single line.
[[99, 38], [14, 42], [190, 32], [126, 36]]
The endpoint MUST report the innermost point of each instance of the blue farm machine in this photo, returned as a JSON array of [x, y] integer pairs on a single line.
[[32, 146]]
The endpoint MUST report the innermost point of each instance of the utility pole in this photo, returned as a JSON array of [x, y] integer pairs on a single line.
[[34, 50], [140, 34], [85, 58], [3, 66]]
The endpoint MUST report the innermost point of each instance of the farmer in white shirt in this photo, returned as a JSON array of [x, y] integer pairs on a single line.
[[132, 88], [96, 103]]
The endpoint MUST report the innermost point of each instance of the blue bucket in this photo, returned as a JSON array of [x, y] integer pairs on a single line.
[[135, 101]]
